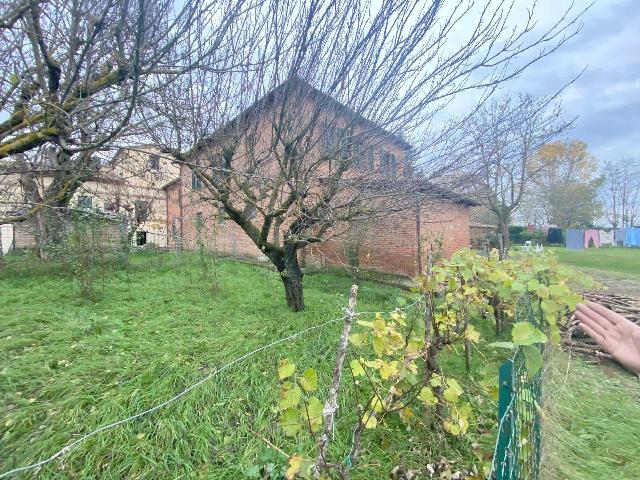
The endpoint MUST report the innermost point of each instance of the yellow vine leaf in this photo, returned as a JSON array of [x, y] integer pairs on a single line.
[[377, 363], [369, 421], [388, 369], [427, 397], [356, 367], [358, 339], [286, 369], [298, 465], [472, 334]]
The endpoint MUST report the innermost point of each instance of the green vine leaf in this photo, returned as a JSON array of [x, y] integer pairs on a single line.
[[290, 422], [524, 333], [427, 397], [313, 414], [453, 392], [532, 359], [309, 380], [290, 396]]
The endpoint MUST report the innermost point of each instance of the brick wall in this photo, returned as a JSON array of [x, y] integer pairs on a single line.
[[448, 221], [219, 234], [394, 243]]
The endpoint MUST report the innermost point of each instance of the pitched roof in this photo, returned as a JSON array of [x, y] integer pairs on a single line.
[[312, 92], [443, 193]]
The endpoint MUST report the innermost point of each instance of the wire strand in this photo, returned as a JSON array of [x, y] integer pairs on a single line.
[[110, 426]]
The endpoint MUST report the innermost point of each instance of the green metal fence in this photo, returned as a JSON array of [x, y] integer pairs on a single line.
[[519, 444]]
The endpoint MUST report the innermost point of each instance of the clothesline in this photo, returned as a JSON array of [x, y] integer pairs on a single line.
[[577, 239]]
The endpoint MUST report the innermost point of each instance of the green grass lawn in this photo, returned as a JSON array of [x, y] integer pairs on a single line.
[[592, 427], [616, 260], [70, 366], [592, 412]]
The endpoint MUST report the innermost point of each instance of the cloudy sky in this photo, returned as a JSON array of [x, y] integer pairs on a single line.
[[606, 98]]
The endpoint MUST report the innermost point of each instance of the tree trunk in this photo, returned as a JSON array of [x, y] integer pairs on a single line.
[[291, 275], [504, 233]]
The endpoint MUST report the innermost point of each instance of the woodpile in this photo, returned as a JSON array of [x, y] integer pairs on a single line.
[[576, 341]]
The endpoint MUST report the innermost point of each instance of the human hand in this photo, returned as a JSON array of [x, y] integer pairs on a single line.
[[613, 332]]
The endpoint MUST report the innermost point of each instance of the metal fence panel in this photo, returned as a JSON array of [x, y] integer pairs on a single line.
[[519, 443]]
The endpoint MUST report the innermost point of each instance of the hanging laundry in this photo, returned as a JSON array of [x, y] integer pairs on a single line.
[[606, 238], [591, 235], [575, 239], [632, 237], [619, 236], [546, 227], [555, 235]]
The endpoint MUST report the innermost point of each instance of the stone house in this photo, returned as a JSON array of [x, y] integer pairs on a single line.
[[130, 184]]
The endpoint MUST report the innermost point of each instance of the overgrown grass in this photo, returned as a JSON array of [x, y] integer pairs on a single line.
[[609, 259], [592, 427], [70, 366]]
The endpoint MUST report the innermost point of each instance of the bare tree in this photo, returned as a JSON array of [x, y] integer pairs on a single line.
[[506, 134], [309, 130], [621, 192], [73, 74]]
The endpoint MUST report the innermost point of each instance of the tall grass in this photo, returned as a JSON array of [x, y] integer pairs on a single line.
[[71, 365], [592, 421]]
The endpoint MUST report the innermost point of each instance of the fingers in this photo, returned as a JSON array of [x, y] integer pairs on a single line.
[[594, 322], [604, 312], [583, 312], [587, 311], [592, 333]]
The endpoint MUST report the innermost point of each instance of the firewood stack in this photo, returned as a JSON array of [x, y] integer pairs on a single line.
[[576, 341]]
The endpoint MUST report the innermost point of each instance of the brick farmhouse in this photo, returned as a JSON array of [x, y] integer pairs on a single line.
[[393, 244]]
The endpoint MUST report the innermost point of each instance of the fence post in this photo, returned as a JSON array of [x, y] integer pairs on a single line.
[[331, 405], [503, 459]]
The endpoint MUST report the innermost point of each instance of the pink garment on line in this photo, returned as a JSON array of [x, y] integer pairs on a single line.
[[591, 235]]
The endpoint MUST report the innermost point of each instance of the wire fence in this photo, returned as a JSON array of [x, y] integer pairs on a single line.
[[518, 448], [71, 445]]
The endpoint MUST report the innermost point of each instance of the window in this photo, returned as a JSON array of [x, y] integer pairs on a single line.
[[363, 156], [196, 181], [334, 139], [84, 201], [109, 207], [154, 163], [141, 238], [388, 165], [142, 210]]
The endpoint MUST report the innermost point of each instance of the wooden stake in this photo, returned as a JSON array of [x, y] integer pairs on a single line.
[[331, 406]]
